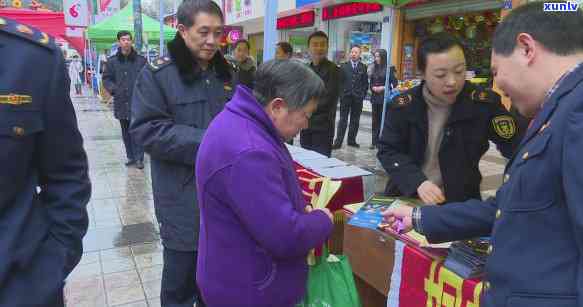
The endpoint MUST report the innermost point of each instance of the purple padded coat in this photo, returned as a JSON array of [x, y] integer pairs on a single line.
[[254, 232]]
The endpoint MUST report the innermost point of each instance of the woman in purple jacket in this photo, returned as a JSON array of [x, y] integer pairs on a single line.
[[255, 230]]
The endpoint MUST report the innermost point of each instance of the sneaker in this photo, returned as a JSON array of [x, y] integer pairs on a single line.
[[130, 163], [336, 146], [353, 144]]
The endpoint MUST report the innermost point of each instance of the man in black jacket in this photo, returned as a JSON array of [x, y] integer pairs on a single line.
[[175, 100], [355, 87], [119, 78], [320, 133]]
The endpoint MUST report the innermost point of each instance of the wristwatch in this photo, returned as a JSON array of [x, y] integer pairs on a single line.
[[416, 219]]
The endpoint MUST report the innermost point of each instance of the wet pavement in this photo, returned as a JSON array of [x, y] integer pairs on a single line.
[[122, 263]]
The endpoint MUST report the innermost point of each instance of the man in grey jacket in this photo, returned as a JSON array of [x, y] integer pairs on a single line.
[[119, 78], [174, 101]]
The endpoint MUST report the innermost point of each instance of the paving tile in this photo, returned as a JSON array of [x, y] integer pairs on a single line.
[[123, 287], [154, 302], [134, 304], [83, 271], [152, 288], [86, 292], [150, 273]]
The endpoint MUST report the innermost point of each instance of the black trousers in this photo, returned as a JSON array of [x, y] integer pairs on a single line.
[[179, 288], [349, 105], [377, 114], [134, 152], [318, 141]]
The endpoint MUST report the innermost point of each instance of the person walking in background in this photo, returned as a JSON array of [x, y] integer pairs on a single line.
[[243, 65], [119, 78], [256, 230], [355, 83], [175, 100], [283, 51], [377, 82], [75, 69], [320, 132]]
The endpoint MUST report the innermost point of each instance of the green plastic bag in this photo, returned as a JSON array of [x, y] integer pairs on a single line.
[[330, 283]]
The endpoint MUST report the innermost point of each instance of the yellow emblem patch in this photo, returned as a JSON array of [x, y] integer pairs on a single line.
[[227, 88], [504, 126], [2, 22], [44, 38], [24, 29], [14, 99], [403, 100]]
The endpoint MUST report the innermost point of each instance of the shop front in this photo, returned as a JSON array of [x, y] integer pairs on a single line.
[[295, 29], [472, 21], [350, 24]]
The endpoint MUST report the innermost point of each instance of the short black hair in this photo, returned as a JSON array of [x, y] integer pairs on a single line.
[[559, 32], [355, 46], [436, 43], [188, 9], [123, 33], [317, 34], [243, 41], [286, 47]]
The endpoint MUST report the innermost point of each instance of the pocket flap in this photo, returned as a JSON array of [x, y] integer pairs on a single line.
[[19, 124]]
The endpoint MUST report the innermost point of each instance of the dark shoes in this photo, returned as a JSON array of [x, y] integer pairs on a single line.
[[353, 144], [140, 165], [373, 146], [336, 146]]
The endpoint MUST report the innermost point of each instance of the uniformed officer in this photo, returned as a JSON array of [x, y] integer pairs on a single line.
[[44, 186], [436, 133], [536, 219], [174, 101], [320, 132]]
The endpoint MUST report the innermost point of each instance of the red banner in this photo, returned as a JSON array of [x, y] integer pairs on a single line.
[[426, 282], [351, 191]]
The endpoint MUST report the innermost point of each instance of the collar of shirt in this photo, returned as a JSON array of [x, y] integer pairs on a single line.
[[563, 77]]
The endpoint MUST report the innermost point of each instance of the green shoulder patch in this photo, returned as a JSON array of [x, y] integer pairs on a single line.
[[504, 126]]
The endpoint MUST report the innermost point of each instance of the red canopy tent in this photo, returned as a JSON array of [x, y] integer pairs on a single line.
[[52, 23]]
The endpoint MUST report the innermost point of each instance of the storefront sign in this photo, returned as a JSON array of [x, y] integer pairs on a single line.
[[300, 3], [350, 9], [76, 13], [239, 8], [305, 19]]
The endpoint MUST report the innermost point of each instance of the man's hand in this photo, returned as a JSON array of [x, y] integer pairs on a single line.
[[328, 213], [378, 89], [402, 214], [430, 193]]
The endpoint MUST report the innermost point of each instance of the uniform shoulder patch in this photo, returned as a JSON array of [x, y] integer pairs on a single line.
[[160, 63], [28, 33], [504, 126], [402, 101], [484, 96]]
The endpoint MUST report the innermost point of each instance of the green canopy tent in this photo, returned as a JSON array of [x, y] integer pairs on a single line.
[[103, 34]]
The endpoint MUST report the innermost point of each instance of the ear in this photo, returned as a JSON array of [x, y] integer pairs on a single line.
[[526, 46], [182, 29], [276, 107]]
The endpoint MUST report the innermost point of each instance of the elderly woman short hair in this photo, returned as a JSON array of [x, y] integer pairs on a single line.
[[255, 229]]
